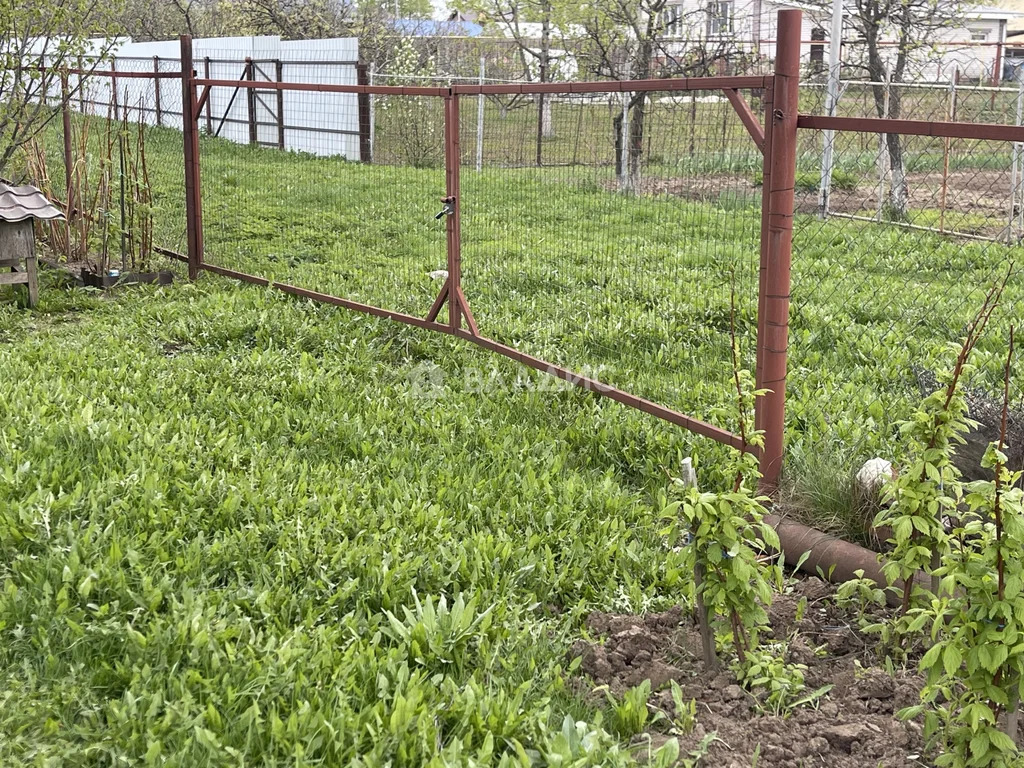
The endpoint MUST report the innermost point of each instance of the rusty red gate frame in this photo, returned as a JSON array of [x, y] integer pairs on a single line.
[[775, 137]]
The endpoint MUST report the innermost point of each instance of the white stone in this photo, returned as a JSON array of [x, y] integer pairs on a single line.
[[438, 274], [872, 476]]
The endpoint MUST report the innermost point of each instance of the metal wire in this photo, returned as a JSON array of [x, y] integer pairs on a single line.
[[621, 258], [890, 277], [587, 254]]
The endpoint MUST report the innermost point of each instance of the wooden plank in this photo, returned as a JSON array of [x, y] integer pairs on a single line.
[[16, 240], [33, 281], [13, 278]]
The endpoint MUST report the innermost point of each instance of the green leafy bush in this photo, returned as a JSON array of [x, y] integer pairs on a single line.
[[975, 665]]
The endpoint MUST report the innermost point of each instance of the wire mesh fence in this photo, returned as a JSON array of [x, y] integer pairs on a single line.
[[118, 174], [634, 260], [602, 229], [618, 259], [361, 231], [886, 282]]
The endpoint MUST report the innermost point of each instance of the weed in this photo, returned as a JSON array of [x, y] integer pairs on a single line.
[[629, 714]]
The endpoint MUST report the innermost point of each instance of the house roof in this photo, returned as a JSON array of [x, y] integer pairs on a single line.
[[25, 202], [991, 12], [432, 28]]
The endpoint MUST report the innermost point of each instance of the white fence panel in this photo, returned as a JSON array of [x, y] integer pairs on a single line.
[[319, 123]]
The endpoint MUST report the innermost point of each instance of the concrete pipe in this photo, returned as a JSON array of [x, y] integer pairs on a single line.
[[829, 557]]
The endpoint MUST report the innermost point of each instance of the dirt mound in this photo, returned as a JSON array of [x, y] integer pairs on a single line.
[[854, 725]]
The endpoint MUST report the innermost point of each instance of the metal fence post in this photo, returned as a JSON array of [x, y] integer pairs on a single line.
[[997, 73], [452, 159], [190, 133], [1016, 207], [373, 110], [365, 117], [946, 145], [623, 157], [768, 104], [156, 90], [209, 112], [250, 100], [279, 75], [777, 200], [480, 119], [113, 89]]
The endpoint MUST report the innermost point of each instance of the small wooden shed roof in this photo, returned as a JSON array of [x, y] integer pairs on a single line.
[[18, 203]]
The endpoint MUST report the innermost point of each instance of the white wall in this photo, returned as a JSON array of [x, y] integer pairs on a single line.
[[319, 123]]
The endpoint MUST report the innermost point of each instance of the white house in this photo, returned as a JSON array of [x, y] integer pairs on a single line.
[[975, 47]]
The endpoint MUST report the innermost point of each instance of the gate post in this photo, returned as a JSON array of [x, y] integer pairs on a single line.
[[250, 100], [777, 245], [279, 75], [190, 133], [156, 90], [452, 158]]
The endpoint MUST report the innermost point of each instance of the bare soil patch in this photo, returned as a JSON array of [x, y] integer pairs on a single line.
[[852, 726], [976, 201]]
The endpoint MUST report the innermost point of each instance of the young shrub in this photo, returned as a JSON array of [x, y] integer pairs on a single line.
[[138, 197], [629, 714], [410, 128], [930, 485], [726, 533], [975, 667], [781, 682]]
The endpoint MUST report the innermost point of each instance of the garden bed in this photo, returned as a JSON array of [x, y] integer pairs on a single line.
[[852, 725]]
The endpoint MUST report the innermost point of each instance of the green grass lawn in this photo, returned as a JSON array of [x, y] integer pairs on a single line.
[[633, 288], [227, 517], [227, 520], [224, 514]]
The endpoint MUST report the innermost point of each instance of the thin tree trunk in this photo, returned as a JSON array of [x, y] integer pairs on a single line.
[[888, 102], [707, 635], [617, 133], [636, 137], [1011, 722], [899, 190]]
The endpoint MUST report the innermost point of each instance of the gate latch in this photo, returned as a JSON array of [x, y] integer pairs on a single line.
[[449, 207]]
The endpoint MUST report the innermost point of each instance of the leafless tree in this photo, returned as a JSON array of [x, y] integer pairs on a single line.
[[892, 34], [631, 40], [42, 38]]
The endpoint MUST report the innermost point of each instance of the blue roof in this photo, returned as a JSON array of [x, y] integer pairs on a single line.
[[431, 28]]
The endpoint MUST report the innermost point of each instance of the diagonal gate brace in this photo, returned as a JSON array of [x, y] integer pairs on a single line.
[[746, 116], [444, 297]]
